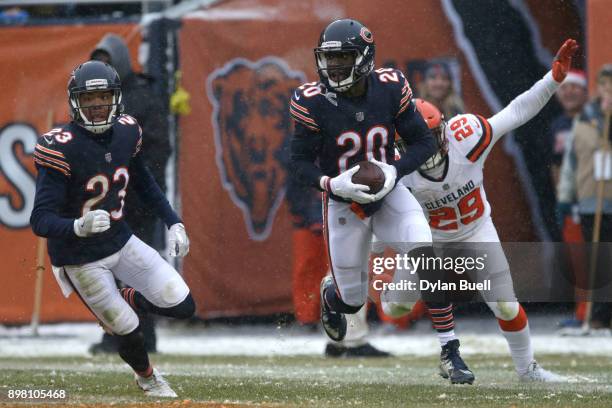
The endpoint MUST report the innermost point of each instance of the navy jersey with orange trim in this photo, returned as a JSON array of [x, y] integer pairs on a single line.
[[334, 132], [79, 171]]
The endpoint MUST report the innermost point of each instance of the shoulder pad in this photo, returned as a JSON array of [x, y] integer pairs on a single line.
[[50, 150], [57, 138], [397, 82], [127, 120], [390, 76], [130, 124], [470, 134], [303, 102]]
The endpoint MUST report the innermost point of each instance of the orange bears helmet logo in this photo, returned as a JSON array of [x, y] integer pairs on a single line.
[[252, 129]]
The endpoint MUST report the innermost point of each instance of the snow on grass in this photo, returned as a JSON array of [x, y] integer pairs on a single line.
[[73, 340]]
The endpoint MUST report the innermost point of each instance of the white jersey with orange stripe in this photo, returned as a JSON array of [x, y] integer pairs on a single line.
[[456, 203]]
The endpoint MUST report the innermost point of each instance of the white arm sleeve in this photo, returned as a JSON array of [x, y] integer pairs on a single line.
[[523, 107]]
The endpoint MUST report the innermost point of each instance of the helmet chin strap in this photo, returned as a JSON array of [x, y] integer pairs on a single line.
[[97, 127], [433, 168], [345, 84]]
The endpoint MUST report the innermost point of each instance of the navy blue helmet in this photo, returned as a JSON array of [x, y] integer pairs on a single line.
[[94, 76], [345, 36]]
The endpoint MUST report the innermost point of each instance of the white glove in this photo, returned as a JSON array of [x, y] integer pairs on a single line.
[[390, 176], [94, 222], [342, 185], [177, 240]]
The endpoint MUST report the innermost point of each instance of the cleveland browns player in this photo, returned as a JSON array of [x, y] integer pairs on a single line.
[[449, 187], [84, 169], [351, 116]]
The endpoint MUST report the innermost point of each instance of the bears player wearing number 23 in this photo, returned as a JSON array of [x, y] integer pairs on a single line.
[[350, 116], [84, 169]]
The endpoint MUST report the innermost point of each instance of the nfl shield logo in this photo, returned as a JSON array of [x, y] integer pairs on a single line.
[[359, 116], [445, 186], [108, 157]]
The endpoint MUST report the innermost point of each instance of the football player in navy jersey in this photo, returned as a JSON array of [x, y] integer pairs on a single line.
[[350, 116], [84, 169]]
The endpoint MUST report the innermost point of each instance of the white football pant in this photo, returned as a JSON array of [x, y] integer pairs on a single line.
[[399, 222], [138, 266]]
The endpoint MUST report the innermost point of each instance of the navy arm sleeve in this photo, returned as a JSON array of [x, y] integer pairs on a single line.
[[420, 143], [305, 147], [50, 193], [149, 191]]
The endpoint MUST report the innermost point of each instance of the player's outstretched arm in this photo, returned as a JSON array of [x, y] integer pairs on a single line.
[[529, 103]]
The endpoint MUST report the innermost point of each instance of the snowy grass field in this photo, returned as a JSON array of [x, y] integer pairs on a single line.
[[313, 381], [267, 366]]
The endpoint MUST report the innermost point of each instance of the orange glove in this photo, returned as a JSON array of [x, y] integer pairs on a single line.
[[563, 60]]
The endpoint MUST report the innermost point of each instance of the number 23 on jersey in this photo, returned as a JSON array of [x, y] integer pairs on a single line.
[[101, 183]]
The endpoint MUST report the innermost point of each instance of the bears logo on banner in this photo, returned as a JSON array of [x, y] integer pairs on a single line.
[[252, 128]]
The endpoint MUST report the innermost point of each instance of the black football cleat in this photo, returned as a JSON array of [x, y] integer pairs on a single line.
[[334, 350], [452, 365], [365, 350], [105, 346], [334, 323]]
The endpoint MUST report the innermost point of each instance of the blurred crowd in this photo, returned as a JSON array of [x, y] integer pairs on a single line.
[[580, 139]]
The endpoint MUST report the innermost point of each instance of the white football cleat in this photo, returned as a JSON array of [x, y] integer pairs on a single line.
[[155, 385], [535, 373]]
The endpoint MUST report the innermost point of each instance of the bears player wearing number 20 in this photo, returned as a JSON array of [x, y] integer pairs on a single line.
[[350, 116], [83, 172]]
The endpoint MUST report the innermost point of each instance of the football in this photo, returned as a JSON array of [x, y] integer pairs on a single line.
[[371, 175]]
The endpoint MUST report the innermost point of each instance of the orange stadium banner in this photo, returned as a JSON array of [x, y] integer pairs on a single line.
[[599, 35], [240, 60], [34, 66]]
